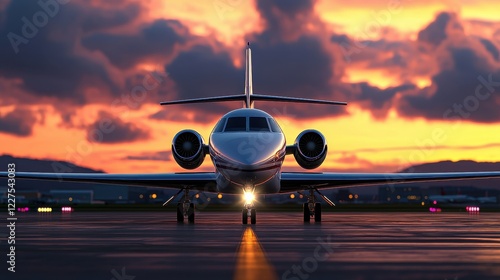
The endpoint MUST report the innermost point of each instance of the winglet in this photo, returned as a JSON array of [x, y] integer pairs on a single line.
[[248, 76]]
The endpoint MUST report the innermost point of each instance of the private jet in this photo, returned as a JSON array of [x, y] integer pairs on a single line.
[[247, 148]]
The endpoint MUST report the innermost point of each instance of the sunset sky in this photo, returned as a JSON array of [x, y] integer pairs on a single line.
[[422, 78]]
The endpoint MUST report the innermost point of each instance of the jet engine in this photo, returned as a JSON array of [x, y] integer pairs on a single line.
[[310, 149], [188, 149]]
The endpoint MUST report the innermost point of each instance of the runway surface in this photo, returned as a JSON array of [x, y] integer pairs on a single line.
[[151, 245]]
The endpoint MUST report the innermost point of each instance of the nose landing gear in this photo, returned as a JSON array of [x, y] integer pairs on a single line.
[[249, 212], [249, 209]]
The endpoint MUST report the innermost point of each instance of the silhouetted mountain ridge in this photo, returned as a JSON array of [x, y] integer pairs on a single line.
[[458, 166], [454, 166], [43, 165]]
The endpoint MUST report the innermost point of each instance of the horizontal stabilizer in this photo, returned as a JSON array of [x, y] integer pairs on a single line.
[[253, 97], [260, 97], [206, 100]]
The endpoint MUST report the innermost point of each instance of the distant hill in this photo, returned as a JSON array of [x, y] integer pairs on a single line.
[[458, 166], [43, 165], [452, 166]]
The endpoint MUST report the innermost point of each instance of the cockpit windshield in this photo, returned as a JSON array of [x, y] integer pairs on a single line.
[[258, 124], [252, 124], [274, 125], [220, 125], [236, 124]]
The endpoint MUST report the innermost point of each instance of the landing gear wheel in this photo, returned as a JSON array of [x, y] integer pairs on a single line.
[[244, 215], [307, 213], [253, 216], [317, 212], [191, 213], [180, 213]]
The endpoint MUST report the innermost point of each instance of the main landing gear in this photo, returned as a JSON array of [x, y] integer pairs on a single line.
[[185, 209], [312, 208]]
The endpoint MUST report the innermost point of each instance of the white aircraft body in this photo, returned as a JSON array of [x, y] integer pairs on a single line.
[[247, 148]]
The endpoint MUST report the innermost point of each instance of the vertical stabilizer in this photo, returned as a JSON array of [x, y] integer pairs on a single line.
[[248, 77]]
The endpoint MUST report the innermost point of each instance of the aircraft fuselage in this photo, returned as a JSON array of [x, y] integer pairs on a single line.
[[247, 148]]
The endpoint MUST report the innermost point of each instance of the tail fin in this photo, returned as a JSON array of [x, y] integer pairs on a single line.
[[248, 77], [248, 98]]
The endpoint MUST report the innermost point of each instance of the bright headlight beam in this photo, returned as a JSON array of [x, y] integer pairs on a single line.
[[249, 197]]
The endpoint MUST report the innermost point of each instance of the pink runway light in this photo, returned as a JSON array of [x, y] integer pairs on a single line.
[[23, 209], [66, 209]]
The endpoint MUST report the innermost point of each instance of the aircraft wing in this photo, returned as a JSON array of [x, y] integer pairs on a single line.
[[295, 181], [203, 181]]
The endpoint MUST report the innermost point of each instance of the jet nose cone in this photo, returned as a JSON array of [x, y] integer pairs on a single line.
[[248, 149], [251, 156]]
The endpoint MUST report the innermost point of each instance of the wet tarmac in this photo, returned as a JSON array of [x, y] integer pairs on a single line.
[[151, 245]]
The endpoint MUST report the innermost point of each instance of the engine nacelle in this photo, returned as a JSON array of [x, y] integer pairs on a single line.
[[310, 149], [188, 149]]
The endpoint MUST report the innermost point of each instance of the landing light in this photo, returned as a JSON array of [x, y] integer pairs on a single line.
[[292, 196], [219, 196], [249, 197]]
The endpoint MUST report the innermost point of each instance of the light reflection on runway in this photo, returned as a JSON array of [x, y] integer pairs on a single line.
[[251, 263], [153, 246]]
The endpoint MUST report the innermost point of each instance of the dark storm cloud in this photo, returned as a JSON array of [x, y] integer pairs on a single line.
[[465, 75], [157, 38], [491, 48], [280, 15], [291, 6], [437, 31], [108, 129], [469, 91], [298, 68], [107, 18], [341, 39], [378, 101], [46, 61], [466, 85], [301, 68], [201, 72], [290, 60], [396, 53], [19, 122]]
